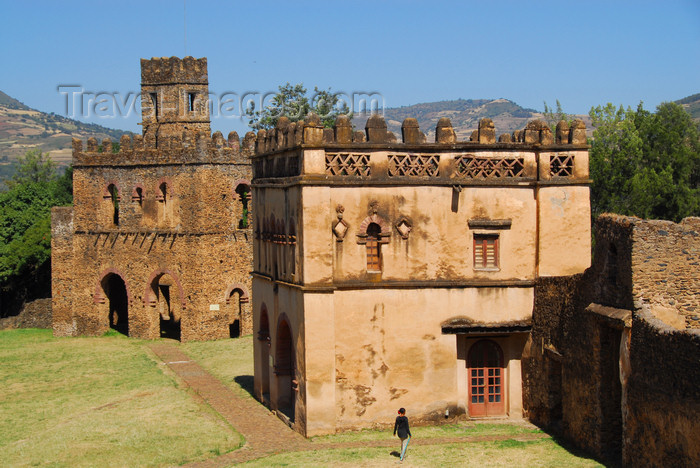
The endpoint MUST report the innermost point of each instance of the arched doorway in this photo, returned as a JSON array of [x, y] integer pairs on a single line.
[[115, 291], [236, 301], [264, 340], [486, 379], [284, 370], [166, 300]]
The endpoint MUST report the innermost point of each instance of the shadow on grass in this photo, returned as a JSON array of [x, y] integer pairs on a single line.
[[395, 454], [561, 440], [246, 383]]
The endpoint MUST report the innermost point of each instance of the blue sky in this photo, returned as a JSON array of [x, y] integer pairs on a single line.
[[583, 53]]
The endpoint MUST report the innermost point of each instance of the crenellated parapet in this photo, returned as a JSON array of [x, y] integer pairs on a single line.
[[531, 154], [189, 148], [171, 70], [311, 132]]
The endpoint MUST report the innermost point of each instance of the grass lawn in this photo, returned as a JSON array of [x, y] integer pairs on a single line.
[[506, 453], [98, 402], [107, 402], [462, 429], [230, 361]]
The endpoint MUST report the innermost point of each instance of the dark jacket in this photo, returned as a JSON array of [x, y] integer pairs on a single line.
[[401, 426]]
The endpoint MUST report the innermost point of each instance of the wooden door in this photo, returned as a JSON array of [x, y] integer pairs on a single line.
[[486, 379]]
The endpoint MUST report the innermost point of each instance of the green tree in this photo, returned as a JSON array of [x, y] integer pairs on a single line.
[[292, 102], [645, 164], [552, 117], [25, 215], [34, 166]]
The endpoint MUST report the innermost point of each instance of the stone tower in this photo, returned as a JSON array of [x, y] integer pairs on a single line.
[[158, 241], [174, 98]]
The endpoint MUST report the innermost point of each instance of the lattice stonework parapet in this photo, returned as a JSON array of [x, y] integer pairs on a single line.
[[561, 165], [413, 165], [489, 168], [347, 164]]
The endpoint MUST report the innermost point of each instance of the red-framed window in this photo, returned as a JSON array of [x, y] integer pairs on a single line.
[[486, 251]]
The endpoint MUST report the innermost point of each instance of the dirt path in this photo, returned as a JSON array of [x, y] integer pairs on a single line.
[[264, 432]]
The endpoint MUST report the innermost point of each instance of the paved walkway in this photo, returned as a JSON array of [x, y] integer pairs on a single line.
[[265, 434]]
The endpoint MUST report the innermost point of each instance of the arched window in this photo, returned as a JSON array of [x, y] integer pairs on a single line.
[[164, 197], [137, 195], [373, 247], [244, 196], [163, 192], [113, 197], [373, 232]]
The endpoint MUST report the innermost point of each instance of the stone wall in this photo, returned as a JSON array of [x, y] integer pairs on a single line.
[[666, 266], [34, 314], [159, 239], [607, 366], [662, 421]]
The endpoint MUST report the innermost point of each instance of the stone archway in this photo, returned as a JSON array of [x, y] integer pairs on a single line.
[[164, 294], [285, 369], [117, 298], [237, 300]]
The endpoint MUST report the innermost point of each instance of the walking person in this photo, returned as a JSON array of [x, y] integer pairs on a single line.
[[404, 432]]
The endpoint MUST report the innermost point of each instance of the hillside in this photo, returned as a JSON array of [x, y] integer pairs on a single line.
[[23, 128], [464, 114], [692, 105]]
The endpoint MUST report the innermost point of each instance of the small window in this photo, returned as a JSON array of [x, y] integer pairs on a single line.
[[138, 196], [243, 192], [114, 199], [485, 251], [162, 193], [154, 101], [373, 247], [190, 101]]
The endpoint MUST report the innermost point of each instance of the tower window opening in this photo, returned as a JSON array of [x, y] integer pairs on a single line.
[[154, 101], [190, 101], [114, 198]]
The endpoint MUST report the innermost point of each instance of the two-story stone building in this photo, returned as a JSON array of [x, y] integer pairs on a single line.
[[391, 274]]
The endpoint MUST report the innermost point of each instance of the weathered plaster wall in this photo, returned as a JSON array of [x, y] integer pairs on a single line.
[[440, 244], [390, 350]]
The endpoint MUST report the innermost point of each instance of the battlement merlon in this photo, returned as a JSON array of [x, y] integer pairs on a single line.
[[188, 148], [311, 133], [307, 149], [174, 70]]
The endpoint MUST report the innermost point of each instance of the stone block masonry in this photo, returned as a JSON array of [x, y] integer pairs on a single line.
[[158, 242], [612, 361]]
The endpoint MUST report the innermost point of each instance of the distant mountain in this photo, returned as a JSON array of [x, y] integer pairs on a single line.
[[692, 105], [11, 103], [23, 128], [464, 114]]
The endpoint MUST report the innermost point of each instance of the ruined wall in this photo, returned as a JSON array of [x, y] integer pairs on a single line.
[[666, 266], [662, 420], [62, 271], [576, 380]]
